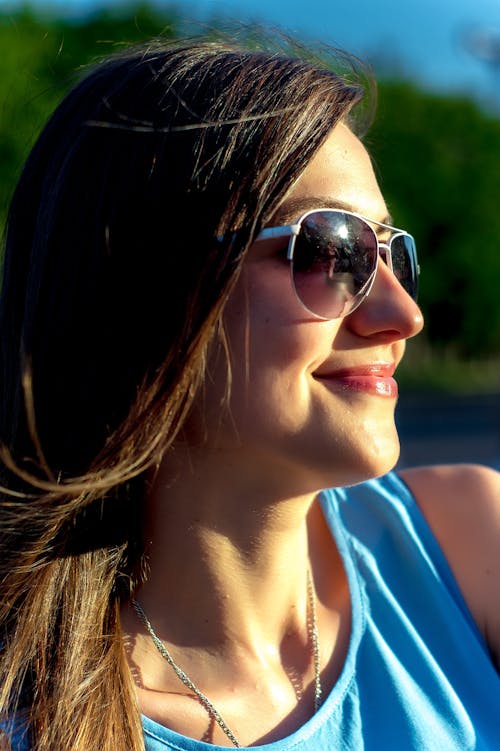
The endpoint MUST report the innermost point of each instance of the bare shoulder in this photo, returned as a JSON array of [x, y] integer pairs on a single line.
[[462, 506]]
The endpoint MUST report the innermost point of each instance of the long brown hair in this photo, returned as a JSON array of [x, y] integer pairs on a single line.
[[125, 235]]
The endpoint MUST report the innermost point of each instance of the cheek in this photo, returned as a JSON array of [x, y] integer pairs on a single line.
[[274, 347], [266, 330], [270, 394]]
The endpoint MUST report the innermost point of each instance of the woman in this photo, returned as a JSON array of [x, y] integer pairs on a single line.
[[198, 337]]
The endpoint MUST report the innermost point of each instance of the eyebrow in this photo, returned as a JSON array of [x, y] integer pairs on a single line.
[[293, 209]]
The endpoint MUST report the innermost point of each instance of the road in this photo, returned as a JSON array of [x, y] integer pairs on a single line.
[[436, 428]]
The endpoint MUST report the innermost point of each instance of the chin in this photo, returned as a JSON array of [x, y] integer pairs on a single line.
[[371, 455], [343, 465], [382, 460], [368, 444], [379, 447]]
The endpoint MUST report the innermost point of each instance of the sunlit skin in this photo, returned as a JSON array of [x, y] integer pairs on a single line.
[[231, 522], [302, 395]]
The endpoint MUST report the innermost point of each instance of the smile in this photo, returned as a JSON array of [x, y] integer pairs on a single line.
[[375, 379]]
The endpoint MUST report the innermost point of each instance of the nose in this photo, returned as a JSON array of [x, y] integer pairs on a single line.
[[388, 313]]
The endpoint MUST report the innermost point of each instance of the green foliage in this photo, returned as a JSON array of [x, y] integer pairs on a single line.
[[40, 57], [440, 368], [437, 158]]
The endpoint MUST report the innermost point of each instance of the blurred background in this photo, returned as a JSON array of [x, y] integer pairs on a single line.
[[435, 144]]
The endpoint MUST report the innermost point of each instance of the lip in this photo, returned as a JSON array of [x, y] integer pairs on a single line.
[[372, 378]]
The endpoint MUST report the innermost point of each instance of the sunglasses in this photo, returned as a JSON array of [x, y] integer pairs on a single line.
[[334, 255]]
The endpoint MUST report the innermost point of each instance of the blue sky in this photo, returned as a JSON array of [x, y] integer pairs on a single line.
[[421, 37]]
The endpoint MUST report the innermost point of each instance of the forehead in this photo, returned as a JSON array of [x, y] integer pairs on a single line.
[[340, 174]]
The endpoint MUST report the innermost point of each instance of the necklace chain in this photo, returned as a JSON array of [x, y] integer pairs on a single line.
[[186, 680], [313, 635]]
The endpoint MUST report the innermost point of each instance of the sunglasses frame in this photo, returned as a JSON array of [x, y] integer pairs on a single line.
[[383, 250]]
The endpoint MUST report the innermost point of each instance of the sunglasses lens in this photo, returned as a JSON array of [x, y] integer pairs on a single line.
[[404, 262], [334, 260]]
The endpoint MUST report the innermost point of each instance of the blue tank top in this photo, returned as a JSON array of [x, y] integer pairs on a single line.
[[417, 675]]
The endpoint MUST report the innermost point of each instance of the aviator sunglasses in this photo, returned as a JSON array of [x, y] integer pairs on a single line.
[[334, 256]]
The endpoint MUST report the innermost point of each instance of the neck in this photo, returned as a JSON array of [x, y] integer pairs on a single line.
[[228, 557], [227, 594]]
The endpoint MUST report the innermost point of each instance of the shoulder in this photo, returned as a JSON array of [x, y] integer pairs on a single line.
[[461, 504]]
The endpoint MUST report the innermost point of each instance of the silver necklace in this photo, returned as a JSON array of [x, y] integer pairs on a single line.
[[211, 710]]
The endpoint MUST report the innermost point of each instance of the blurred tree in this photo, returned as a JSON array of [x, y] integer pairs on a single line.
[[41, 56], [438, 162], [437, 158]]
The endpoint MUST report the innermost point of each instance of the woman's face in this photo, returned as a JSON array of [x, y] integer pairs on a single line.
[[311, 396]]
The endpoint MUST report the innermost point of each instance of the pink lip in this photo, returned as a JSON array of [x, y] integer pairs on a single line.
[[373, 379]]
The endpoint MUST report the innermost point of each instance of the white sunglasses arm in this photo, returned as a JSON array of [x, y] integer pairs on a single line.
[[271, 233]]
